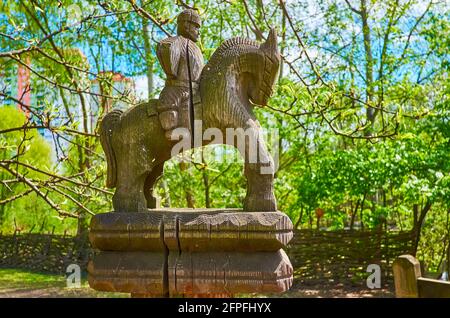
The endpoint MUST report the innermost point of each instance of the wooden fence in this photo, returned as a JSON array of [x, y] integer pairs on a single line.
[[43, 252], [342, 257], [318, 257]]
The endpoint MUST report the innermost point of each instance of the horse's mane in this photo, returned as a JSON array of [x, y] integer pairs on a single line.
[[228, 48]]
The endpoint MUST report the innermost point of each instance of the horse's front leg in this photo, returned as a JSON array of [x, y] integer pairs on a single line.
[[259, 170]]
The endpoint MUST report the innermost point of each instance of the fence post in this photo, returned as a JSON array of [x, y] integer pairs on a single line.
[[406, 272]]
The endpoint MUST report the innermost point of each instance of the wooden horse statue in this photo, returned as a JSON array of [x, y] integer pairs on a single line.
[[239, 75]]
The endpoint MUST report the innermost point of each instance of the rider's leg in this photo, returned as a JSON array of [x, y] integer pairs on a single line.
[[170, 101]]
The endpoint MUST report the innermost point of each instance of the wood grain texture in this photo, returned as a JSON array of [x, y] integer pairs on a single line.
[[229, 273], [432, 288], [128, 272], [240, 74], [409, 282], [126, 232], [406, 272], [191, 230], [213, 273], [187, 252], [224, 231]]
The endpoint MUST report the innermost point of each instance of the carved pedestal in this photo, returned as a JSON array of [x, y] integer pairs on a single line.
[[186, 252]]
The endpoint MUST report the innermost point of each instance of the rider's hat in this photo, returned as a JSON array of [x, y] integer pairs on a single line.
[[189, 15]]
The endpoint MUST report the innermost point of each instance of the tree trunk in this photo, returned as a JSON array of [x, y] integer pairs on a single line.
[[188, 192], [167, 202], [448, 239], [299, 221], [3, 206], [83, 225], [361, 213], [355, 211], [148, 55], [418, 222], [310, 219], [370, 112], [283, 40], [2, 194], [206, 184]]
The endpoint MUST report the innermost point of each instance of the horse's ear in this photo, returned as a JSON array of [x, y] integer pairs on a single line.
[[271, 45]]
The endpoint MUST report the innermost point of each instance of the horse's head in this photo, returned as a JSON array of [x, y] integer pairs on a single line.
[[263, 77], [241, 71]]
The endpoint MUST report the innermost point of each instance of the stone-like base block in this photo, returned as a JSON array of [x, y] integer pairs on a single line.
[[229, 273], [128, 272], [173, 252], [143, 273], [191, 230]]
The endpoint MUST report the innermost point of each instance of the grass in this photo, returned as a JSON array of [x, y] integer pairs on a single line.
[[16, 278], [23, 283]]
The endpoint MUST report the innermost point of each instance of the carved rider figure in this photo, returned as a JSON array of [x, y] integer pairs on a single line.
[[182, 62]]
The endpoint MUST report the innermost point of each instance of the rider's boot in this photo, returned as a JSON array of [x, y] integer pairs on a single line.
[[169, 122]]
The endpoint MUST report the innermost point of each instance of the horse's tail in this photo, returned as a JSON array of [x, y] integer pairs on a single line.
[[107, 126]]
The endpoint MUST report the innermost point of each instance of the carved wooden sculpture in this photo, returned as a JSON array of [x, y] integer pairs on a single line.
[[182, 61], [192, 252], [240, 73], [172, 252]]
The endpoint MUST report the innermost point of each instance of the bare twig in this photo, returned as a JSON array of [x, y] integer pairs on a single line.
[[35, 188], [142, 12]]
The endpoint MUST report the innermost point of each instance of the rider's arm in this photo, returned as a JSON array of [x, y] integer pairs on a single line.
[[169, 53]]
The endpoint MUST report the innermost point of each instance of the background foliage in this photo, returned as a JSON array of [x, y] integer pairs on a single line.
[[361, 108]]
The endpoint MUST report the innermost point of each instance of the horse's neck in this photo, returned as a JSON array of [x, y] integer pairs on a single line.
[[222, 101]]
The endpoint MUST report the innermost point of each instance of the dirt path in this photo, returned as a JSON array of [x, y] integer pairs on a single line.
[[310, 292], [16, 283], [56, 292], [340, 293]]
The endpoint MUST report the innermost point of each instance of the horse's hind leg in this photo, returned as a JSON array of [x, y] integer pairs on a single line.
[[129, 195], [149, 185]]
